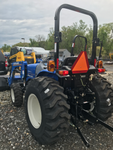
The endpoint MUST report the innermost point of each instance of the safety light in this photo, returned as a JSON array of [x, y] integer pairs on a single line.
[[63, 72], [100, 64], [51, 65]]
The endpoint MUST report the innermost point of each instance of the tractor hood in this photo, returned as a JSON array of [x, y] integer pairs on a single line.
[[31, 70]]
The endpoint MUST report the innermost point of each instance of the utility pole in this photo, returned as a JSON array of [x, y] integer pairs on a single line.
[[24, 41]]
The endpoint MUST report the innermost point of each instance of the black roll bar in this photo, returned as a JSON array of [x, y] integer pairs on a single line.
[[73, 44], [57, 37]]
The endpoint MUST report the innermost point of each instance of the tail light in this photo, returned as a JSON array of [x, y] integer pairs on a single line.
[[100, 70], [63, 72], [51, 65], [6, 63]]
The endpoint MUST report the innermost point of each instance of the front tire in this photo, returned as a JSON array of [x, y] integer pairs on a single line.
[[16, 94], [46, 110]]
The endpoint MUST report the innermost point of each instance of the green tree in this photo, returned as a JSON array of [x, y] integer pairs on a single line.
[[6, 48], [104, 35], [21, 44], [39, 41], [33, 43], [68, 33], [89, 36], [50, 40]]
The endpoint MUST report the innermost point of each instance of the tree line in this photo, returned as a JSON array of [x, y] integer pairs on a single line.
[[68, 34]]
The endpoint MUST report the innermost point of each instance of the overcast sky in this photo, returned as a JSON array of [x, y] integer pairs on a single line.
[[28, 18]]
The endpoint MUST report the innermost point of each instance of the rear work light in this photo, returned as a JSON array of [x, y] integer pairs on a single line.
[[51, 65], [63, 72]]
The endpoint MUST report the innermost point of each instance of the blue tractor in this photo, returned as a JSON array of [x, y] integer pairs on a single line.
[[57, 96]]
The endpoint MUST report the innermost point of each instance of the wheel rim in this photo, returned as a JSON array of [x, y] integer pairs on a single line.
[[34, 111], [12, 95]]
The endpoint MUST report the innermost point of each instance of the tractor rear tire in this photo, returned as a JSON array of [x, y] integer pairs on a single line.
[[104, 97], [16, 94], [46, 110]]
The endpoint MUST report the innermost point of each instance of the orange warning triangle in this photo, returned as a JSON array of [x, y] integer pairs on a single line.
[[81, 64]]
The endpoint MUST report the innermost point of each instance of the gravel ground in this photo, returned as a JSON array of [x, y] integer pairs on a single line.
[[15, 134]]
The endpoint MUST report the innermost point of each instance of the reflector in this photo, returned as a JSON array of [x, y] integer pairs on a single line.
[[81, 64]]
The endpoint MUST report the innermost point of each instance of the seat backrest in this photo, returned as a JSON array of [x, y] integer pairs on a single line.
[[68, 61]]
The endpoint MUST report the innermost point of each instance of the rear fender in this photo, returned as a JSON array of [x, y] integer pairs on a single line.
[[48, 74]]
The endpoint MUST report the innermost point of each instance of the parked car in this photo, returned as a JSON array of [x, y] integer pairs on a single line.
[[3, 72], [3, 64]]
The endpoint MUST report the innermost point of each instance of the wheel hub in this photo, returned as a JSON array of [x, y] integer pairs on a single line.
[[12, 95], [34, 111]]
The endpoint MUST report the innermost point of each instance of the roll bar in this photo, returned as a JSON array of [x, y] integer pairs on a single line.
[[73, 44], [57, 37]]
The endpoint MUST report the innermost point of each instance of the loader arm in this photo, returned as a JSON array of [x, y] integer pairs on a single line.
[[33, 55], [19, 56]]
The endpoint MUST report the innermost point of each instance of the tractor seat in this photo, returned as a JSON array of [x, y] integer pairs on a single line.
[[69, 61]]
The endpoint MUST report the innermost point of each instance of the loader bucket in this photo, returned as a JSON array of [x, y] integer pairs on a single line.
[[3, 84]]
